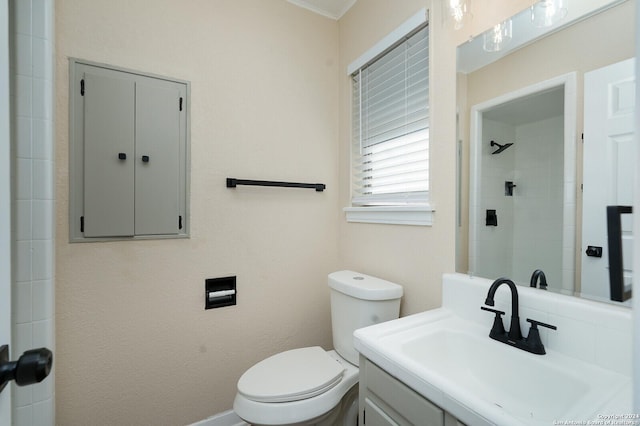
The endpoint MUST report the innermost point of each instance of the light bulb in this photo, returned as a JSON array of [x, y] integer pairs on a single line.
[[546, 13], [497, 37], [457, 11]]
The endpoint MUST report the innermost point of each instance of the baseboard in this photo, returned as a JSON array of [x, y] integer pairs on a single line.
[[227, 418]]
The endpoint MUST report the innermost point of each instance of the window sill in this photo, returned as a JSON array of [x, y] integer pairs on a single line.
[[391, 215]]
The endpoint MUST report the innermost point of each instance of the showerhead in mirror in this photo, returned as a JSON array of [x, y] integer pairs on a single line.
[[500, 147]]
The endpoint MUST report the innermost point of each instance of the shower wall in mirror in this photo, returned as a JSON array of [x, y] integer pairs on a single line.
[[527, 199]]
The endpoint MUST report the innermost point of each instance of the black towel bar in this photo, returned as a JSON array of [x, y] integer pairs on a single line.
[[232, 183]]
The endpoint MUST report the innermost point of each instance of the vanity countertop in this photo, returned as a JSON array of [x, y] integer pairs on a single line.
[[445, 355]]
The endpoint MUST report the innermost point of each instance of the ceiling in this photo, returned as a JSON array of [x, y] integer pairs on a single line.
[[333, 9], [530, 109]]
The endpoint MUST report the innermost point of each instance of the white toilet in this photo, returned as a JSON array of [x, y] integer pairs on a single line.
[[311, 386]]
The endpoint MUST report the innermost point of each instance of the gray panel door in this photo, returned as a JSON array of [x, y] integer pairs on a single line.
[[108, 156], [157, 158]]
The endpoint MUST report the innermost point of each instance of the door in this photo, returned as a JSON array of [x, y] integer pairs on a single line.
[[108, 155], [5, 202], [608, 169], [157, 130]]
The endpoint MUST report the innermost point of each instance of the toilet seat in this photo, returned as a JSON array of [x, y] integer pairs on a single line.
[[291, 376], [304, 411]]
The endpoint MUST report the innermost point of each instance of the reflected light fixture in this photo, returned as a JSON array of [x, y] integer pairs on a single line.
[[498, 36], [457, 11], [546, 13]]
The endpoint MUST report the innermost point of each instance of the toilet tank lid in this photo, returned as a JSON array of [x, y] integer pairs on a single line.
[[363, 286]]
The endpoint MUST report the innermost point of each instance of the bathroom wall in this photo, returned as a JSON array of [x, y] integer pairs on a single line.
[[412, 256], [134, 343], [32, 208], [270, 99]]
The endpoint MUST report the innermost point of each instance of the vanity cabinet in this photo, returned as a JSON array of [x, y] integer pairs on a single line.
[[128, 154], [385, 401]]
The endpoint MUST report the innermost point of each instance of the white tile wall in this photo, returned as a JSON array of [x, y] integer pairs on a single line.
[[33, 205], [534, 223], [494, 256], [538, 200]]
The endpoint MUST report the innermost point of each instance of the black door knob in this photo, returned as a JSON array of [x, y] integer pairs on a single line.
[[594, 251], [122, 156], [145, 158], [32, 367]]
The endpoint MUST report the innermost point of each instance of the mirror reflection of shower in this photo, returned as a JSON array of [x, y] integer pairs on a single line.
[[500, 147], [530, 231]]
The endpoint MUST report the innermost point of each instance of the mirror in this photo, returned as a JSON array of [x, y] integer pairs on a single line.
[[521, 117]]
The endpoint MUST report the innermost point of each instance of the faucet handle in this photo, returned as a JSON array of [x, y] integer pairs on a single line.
[[495, 311], [534, 344], [498, 326], [535, 323]]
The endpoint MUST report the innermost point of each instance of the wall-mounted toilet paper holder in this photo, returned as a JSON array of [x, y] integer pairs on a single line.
[[220, 292]]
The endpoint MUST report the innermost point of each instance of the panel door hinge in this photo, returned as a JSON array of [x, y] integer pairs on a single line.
[[364, 417], [82, 87], [582, 137], [180, 103], [81, 223], [179, 222]]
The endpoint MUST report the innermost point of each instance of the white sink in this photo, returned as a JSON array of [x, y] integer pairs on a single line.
[[454, 363]]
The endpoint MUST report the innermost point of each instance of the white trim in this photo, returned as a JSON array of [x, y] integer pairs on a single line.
[[635, 356], [226, 418], [389, 40], [391, 215], [5, 202], [323, 11]]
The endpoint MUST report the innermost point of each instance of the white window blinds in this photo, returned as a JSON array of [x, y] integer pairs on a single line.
[[390, 159]]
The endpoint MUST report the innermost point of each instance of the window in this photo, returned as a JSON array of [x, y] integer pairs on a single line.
[[390, 134]]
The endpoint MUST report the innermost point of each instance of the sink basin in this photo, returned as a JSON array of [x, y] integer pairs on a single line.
[[496, 381], [528, 386]]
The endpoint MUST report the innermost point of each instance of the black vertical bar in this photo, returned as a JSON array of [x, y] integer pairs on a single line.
[[614, 239], [82, 87]]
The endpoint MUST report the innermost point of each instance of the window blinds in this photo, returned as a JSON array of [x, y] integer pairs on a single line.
[[391, 125]]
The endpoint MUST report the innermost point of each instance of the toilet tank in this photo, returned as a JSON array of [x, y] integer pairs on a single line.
[[359, 300]]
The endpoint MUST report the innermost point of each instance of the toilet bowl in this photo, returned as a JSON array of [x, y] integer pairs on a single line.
[[311, 386], [308, 390]]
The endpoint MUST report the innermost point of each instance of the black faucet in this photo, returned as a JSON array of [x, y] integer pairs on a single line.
[[514, 330], [513, 337], [538, 275]]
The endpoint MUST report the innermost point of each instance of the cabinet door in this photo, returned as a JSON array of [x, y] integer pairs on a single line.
[[129, 154], [398, 401], [157, 158], [108, 156], [376, 416]]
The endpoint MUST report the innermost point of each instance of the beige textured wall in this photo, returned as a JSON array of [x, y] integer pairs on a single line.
[[413, 256], [134, 344], [270, 99]]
